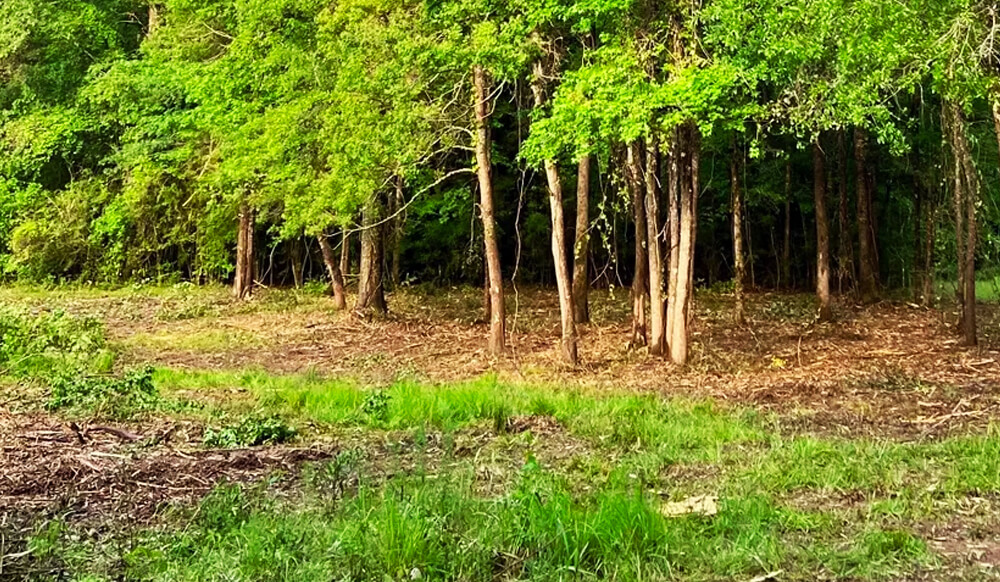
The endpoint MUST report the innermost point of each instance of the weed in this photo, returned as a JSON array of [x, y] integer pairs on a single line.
[[252, 431], [376, 405], [108, 396], [36, 344]]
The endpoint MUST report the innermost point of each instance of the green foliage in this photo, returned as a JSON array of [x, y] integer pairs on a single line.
[[252, 431], [108, 396], [41, 344]]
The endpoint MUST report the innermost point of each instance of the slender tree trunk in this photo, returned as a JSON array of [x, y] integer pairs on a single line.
[[673, 223], [371, 281], [689, 190], [153, 22], [927, 292], [398, 227], [244, 280], [484, 165], [640, 279], [296, 258], [739, 270], [654, 232], [345, 253], [563, 282], [822, 233], [866, 247], [581, 244], [966, 196], [845, 260], [333, 272], [786, 251]]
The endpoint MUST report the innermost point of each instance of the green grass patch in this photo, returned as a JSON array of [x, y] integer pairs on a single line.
[[678, 429], [414, 527]]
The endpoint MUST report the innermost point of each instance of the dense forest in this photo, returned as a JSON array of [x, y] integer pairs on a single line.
[[844, 146]]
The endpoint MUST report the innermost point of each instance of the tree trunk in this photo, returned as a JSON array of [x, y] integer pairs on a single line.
[[563, 282], [845, 254], [371, 282], [244, 280], [484, 165], [966, 196], [333, 272], [927, 293], [581, 244], [296, 258], [739, 269], [786, 251], [822, 233], [640, 278], [654, 232], [674, 158], [153, 21], [866, 248], [690, 151], [398, 227], [345, 253]]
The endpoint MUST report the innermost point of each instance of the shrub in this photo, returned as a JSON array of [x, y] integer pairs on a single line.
[[253, 431], [37, 344], [111, 396]]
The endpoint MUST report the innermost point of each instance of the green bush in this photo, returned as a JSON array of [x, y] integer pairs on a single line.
[[252, 431], [37, 344], [110, 396]]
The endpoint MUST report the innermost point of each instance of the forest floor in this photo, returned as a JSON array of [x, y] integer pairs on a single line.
[[289, 441]]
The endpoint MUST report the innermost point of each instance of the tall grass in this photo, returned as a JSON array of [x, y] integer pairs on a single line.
[[417, 528]]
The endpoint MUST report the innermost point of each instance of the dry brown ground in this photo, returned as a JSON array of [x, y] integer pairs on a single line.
[[890, 368]]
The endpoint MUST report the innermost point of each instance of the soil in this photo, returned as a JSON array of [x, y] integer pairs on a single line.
[[891, 369]]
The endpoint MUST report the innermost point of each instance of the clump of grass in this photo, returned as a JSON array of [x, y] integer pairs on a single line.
[[252, 431]]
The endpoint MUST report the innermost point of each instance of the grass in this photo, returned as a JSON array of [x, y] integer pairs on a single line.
[[808, 506], [405, 501], [417, 527], [679, 429]]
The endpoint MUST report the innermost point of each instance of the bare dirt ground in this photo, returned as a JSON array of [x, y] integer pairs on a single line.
[[891, 369]]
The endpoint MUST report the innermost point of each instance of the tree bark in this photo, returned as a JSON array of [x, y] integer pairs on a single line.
[[345, 253], [966, 196], [927, 288], [786, 251], [845, 251], [563, 282], [822, 233], [640, 278], [690, 150], [739, 269], [398, 227], [654, 232], [333, 272], [371, 281], [581, 244], [866, 247], [244, 280], [296, 258], [484, 165], [674, 227]]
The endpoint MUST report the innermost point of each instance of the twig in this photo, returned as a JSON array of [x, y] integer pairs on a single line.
[[125, 436], [79, 435]]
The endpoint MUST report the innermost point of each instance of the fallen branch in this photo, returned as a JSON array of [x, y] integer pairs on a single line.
[[125, 436]]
